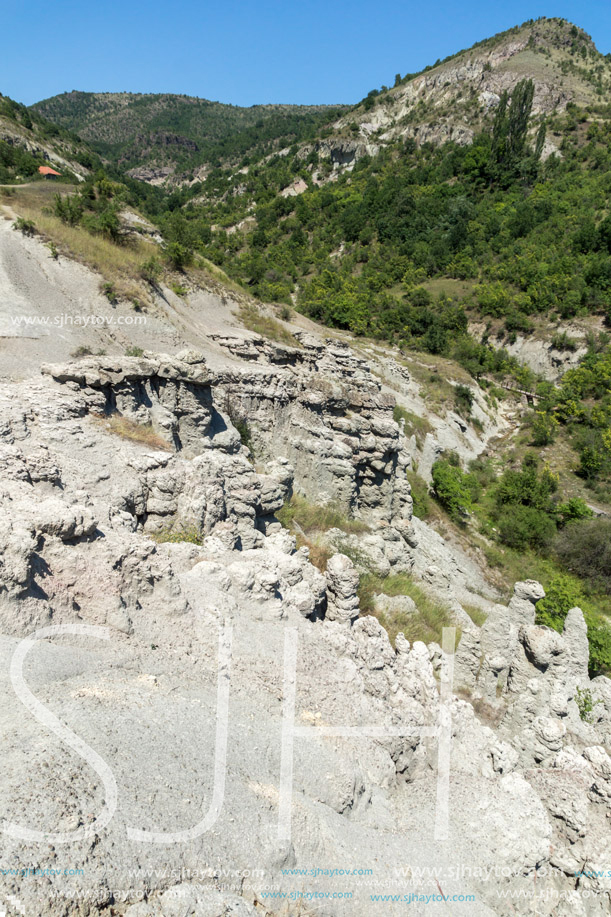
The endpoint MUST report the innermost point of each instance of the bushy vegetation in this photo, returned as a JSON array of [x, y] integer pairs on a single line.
[[409, 246], [95, 205], [17, 163], [585, 550], [512, 237], [582, 405], [563, 593], [454, 489], [540, 534]]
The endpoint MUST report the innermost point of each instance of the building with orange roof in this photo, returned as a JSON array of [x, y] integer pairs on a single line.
[[48, 172]]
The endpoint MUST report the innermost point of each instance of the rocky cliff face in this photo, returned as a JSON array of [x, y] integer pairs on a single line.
[[83, 504]]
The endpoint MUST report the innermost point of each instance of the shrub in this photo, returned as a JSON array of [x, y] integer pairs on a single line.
[[561, 595], [179, 256], [584, 548], [25, 227], [109, 291], [525, 513], [544, 428], [463, 397], [83, 350], [451, 487], [585, 704], [243, 429], [573, 510], [134, 352], [562, 341], [69, 209], [105, 223], [599, 638], [150, 270], [523, 527], [240, 422], [590, 462]]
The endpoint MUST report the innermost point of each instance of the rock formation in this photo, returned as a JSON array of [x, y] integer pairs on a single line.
[[86, 508]]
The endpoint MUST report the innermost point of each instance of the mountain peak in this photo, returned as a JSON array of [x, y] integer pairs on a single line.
[[455, 97]]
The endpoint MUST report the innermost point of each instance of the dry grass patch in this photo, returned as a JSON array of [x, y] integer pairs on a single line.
[[320, 554], [305, 520], [135, 432], [487, 713], [268, 327], [204, 273], [178, 534], [312, 517]]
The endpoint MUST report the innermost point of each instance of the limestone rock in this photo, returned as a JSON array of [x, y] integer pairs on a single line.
[[342, 584]]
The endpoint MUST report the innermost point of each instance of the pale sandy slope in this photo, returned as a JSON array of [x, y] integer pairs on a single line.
[[62, 292]]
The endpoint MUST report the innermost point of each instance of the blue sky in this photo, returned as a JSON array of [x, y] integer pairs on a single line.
[[249, 52]]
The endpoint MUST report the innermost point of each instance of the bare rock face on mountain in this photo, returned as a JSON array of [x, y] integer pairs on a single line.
[[450, 101], [88, 505]]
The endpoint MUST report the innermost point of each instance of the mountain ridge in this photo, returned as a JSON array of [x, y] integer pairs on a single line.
[[128, 128], [447, 101]]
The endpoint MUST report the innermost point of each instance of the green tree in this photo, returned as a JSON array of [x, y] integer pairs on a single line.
[[561, 595], [544, 428], [452, 488], [511, 125]]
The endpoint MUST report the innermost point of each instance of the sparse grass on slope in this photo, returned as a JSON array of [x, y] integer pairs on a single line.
[[312, 517], [179, 534], [118, 264], [308, 521], [255, 320], [426, 624], [414, 425]]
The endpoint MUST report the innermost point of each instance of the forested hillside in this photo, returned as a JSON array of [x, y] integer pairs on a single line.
[[183, 132], [28, 141]]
